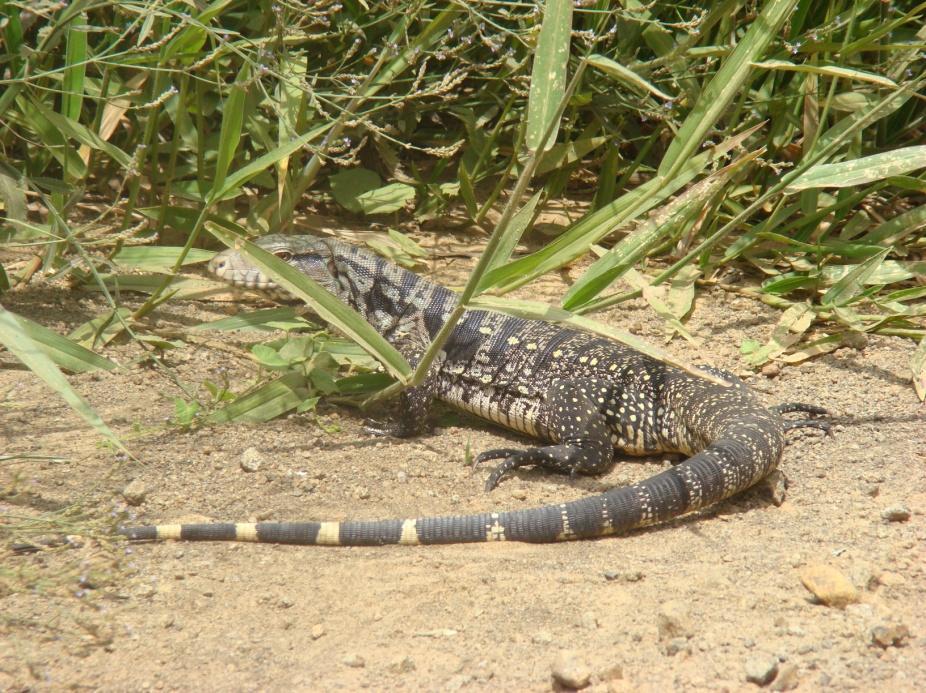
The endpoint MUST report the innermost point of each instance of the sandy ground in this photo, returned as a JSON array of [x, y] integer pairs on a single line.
[[703, 603]]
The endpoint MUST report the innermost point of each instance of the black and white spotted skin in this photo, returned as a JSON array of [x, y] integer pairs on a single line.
[[583, 394]]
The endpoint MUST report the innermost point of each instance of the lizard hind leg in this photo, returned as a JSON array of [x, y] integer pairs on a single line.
[[576, 422]]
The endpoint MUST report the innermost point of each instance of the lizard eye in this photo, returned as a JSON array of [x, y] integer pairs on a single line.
[[284, 255]]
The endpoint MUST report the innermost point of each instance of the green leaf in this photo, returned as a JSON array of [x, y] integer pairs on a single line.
[[347, 186], [158, 258], [847, 289], [548, 76], [626, 75], [389, 198], [860, 171], [282, 318], [591, 228], [14, 338], [726, 85], [265, 161], [63, 351], [266, 402], [72, 86], [827, 70], [230, 134], [791, 326]]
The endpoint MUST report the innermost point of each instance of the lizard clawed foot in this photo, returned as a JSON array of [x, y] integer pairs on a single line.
[[811, 409], [513, 460], [824, 426], [790, 407]]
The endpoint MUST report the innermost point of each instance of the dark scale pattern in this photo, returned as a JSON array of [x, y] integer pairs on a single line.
[[582, 394]]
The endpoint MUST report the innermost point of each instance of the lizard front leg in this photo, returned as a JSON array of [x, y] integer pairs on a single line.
[[576, 422]]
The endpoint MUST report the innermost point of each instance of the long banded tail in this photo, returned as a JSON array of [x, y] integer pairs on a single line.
[[721, 470]]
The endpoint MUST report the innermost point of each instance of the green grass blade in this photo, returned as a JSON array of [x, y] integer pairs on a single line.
[[726, 85], [861, 171], [626, 75], [827, 70], [590, 229], [265, 161], [266, 402], [64, 352], [654, 230], [850, 286], [280, 318], [894, 230], [327, 306], [158, 258], [75, 70], [548, 76], [230, 134], [14, 338]]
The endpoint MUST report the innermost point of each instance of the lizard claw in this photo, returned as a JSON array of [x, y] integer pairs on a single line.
[[496, 454], [513, 460]]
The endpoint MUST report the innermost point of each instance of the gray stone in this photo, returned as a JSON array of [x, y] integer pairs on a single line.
[[761, 669], [135, 492], [571, 672], [896, 513], [353, 660], [251, 460]]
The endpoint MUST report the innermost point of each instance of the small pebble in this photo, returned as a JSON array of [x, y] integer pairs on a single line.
[[353, 660], [896, 513], [777, 485], [771, 370], [828, 585], [889, 636], [135, 492], [761, 669], [677, 645], [889, 579], [318, 630], [405, 665], [570, 672], [251, 460], [787, 678], [542, 637]]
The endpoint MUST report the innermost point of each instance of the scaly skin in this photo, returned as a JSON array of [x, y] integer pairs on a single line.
[[583, 394]]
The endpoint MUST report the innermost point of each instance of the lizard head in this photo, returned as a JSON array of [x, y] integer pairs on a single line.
[[313, 257]]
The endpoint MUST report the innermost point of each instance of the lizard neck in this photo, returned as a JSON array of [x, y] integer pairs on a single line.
[[391, 298]]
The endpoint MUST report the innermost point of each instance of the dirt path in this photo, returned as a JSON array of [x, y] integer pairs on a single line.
[[698, 604]]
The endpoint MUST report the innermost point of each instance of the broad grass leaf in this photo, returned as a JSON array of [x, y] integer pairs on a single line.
[[548, 76], [347, 186], [65, 352], [384, 200], [828, 71], [14, 338], [860, 171], [626, 75]]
